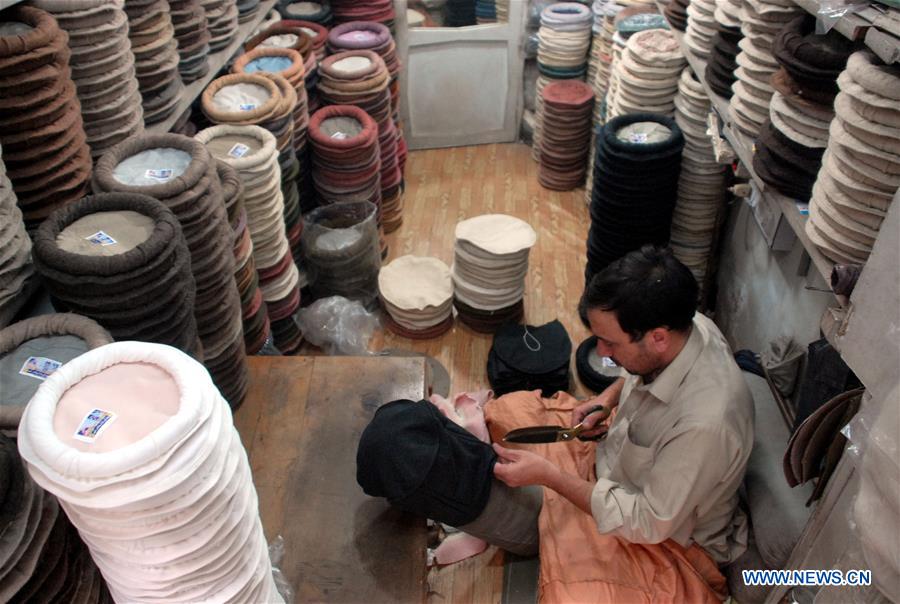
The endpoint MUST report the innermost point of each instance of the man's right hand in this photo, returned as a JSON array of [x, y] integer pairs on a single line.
[[609, 398]]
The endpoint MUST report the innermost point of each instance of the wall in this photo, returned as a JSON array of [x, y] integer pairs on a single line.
[[761, 296]]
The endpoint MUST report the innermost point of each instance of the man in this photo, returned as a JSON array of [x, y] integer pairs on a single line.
[[649, 512]]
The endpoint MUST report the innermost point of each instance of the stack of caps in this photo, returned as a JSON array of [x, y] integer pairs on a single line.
[[121, 260], [222, 22], [102, 68], [676, 14], [270, 19], [724, 49], [379, 11], [564, 40], [792, 141], [247, 10], [598, 8], [761, 21], [701, 185], [489, 268], [596, 372], [180, 172], [417, 296], [502, 7], [319, 36], [251, 151], [530, 357], [860, 172], [43, 559], [567, 134], [156, 57], [701, 27], [16, 272], [647, 75], [192, 35], [317, 12], [340, 245], [459, 13], [635, 186], [318, 33], [361, 78], [32, 349], [140, 448], [41, 129], [485, 11], [253, 310]]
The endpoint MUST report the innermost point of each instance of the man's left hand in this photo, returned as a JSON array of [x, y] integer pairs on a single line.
[[518, 468]]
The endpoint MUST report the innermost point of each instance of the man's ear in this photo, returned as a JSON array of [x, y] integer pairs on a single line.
[[659, 338]]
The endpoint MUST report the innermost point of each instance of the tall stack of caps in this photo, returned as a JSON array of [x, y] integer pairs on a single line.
[[288, 63], [16, 272], [701, 185], [676, 13], [270, 19], [253, 309], [860, 172], [596, 372], [489, 268], [340, 245], [760, 22], [530, 357], [180, 172], [41, 129], [251, 151], [792, 141], [31, 350], [564, 40], [43, 559], [121, 259], [222, 21], [361, 78], [318, 33], [502, 10], [317, 12], [346, 159], [319, 36], [102, 68], [417, 296], [379, 11], [485, 12], [140, 448], [156, 57], [567, 134], [724, 48], [459, 13], [701, 27], [192, 35], [635, 186], [647, 75], [247, 10]]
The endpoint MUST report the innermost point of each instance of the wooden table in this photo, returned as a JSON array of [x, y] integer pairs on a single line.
[[300, 424]]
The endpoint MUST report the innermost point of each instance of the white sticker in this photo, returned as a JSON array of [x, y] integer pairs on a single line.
[[608, 362], [638, 137], [340, 136], [93, 424], [162, 174], [247, 106], [803, 208], [238, 150], [40, 368], [101, 238]]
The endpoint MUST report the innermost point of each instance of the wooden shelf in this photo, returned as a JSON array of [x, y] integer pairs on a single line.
[[216, 62]]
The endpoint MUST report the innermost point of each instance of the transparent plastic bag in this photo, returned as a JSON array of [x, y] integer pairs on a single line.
[[338, 325], [276, 555], [831, 11]]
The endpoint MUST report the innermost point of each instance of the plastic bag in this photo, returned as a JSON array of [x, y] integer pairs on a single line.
[[338, 325], [276, 554], [831, 11]]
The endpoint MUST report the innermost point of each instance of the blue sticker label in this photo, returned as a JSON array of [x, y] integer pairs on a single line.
[[39, 368], [247, 107], [93, 424], [162, 175], [101, 238]]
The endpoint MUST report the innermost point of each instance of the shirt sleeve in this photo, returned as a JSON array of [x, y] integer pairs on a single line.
[[678, 478]]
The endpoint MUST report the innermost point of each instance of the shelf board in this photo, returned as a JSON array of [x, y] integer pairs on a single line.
[[216, 62]]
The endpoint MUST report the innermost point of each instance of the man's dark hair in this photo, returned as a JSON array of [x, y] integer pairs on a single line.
[[646, 288]]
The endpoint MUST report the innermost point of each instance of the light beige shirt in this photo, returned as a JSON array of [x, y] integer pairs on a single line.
[[676, 451]]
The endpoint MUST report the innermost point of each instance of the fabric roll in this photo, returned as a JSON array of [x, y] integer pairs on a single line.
[[173, 527], [45, 150], [529, 357], [417, 294], [252, 152], [179, 172], [17, 279], [156, 58]]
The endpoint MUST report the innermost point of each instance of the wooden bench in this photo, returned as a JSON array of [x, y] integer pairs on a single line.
[[300, 425]]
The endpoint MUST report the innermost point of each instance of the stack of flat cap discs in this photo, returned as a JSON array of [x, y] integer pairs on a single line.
[[417, 296], [529, 357]]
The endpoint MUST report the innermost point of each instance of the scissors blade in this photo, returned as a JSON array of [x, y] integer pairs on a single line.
[[536, 434]]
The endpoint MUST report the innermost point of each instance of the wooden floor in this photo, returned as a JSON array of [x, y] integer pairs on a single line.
[[445, 186]]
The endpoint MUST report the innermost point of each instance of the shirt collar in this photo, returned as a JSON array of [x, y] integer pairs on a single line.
[[666, 384]]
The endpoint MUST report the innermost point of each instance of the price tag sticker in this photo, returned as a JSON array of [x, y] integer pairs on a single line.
[[93, 425], [40, 368], [161, 174], [247, 106], [638, 137], [238, 150], [608, 362], [101, 238], [340, 135]]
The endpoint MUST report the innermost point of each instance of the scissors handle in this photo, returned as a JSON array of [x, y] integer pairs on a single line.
[[595, 409]]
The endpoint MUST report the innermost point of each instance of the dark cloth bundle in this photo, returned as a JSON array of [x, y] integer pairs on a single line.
[[525, 357]]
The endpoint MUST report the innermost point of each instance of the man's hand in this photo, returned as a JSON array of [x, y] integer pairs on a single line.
[[519, 468], [609, 398]]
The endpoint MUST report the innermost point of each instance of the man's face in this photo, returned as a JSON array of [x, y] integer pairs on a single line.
[[638, 357]]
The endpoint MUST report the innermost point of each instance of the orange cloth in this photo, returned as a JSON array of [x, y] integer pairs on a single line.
[[578, 564]]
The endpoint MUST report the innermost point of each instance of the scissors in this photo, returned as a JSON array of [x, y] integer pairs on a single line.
[[555, 434]]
